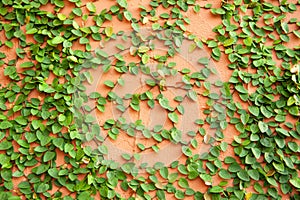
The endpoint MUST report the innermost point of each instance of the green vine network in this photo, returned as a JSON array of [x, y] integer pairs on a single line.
[[47, 63]]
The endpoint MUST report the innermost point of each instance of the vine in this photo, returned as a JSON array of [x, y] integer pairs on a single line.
[[57, 90]]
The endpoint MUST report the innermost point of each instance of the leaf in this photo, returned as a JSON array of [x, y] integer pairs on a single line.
[[109, 83], [187, 151], [49, 155], [263, 127], [294, 110], [21, 120], [143, 49], [43, 187], [243, 175], [91, 7], [57, 40], [56, 128], [285, 27], [122, 3], [256, 152], [164, 102], [160, 194], [254, 110], [248, 41], [173, 117], [101, 53], [254, 174], [108, 31], [164, 172], [182, 182], [244, 118], [265, 112], [204, 61], [216, 189], [145, 58], [5, 125], [172, 177], [241, 89], [192, 94], [103, 149], [127, 15], [77, 11], [176, 135], [228, 42], [272, 181], [224, 174]]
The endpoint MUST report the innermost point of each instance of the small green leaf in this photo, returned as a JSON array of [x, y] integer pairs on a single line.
[[122, 3], [216, 189], [173, 117], [295, 182], [127, 15], [108, 31], [263, 127], [91, 7], [145, 58], [49, 155], [228, 42], [57, 40], [109, 83], [224, 174], [182, 182], [243, 175], [5, 125]]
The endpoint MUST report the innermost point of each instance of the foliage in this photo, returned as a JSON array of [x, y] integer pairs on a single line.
[[43, 110]]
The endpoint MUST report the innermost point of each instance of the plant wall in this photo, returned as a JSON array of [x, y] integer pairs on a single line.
[[63, 65]]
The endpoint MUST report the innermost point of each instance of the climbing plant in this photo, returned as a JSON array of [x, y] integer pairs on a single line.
[[56, 87]]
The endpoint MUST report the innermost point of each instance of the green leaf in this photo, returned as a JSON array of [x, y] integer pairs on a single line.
[[254, 110], [187, 151], [21, 120], [122, 3], [109, 83], [101, 53], [103, 149], [224, 174], [248, 41], [272, 181], [160, 194], [265, 112], [294, 110], [5, 125], [91, 7], [243, 175], [164, 172], [182, 182], [108, 31], [204, 61], [172, 177], [127, 15], [241, 89], [256, 152], [216, 189], [285, 27], [57, 40], [145, 58], [263, 127], [228, 42], [77, 11], [254, 174], [295, 182], [49, 155], [173, 117], [43, 187], [192, 94]]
